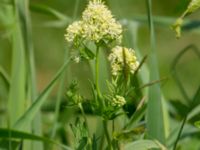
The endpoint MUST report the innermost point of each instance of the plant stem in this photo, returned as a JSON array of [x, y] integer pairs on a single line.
[[97, 75], [107, 135], [86, 123], [179, 133], [84, 116]]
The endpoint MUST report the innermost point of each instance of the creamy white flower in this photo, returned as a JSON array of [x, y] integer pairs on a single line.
[[74, 30], [118, 101], [121, 58], [76, 59], [99, 23], [96, 24]]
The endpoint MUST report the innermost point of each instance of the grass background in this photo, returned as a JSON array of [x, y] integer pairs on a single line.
[[49, 47], [49, 42]]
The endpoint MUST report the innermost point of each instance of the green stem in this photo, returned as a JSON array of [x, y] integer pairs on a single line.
[[97, 76], [107, 135], [179, 133], [84, 116], [86, 123]]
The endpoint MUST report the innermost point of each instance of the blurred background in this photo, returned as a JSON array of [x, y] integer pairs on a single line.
[[49, 43]]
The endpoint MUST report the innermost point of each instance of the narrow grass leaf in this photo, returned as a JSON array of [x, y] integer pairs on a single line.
[[61, 88], [193, 48], [14, 134], [136, 116], [28, 116], [5, 77], [17, 103], [144, 72], [155, 118], [144, 145], [43, 9], [196, 99]]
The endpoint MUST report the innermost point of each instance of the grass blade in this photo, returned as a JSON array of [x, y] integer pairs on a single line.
[[28, 116], [17, 95], [62, 82], [7, 133], [174, 70], [155, 125], [5, 77], [38, 8], [144, 145]]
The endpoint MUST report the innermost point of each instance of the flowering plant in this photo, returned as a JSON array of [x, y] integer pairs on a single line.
[[99, 27]]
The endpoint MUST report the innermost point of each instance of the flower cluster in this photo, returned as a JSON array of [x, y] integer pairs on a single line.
[[74, 31], [118, 101], [123, 58], [96, 24]]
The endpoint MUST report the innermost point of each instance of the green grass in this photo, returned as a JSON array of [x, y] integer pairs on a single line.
[[36, 112]]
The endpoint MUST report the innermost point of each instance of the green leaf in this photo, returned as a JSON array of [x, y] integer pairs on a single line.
[[192, 7], [87, 53], [19, 135], [187, 99], [144, 145], [137, 116], [155, 125], [6, 144], [5, 77], [196, 99], [174, 70], [197, 124], [43, 9], [127, 135], [83, 143], [94, 142], [17, 94], [180, 107], [177, 27], [28, 116]]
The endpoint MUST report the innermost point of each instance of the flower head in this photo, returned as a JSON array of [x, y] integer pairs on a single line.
[[123, 58], [74, 30], [96, 24], [99, 23], [118, 101]]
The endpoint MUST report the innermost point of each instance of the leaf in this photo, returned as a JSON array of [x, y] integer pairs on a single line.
[[5, 77], [129, 134], [17, 94], [156, 126], [19, 135], [87, 53], [180, 108], [43, 9], [140, 112], [26, 29], [94, 142], [144, 145], [196, 99], [83, 143], [6, 144], [28, 116], [194, 107], [197, 124], [174, 70], [4, 84], [192, 7], [177, 27], [182, 89]]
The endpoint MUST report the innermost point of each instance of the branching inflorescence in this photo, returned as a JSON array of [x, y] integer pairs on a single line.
[[98, 26]]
